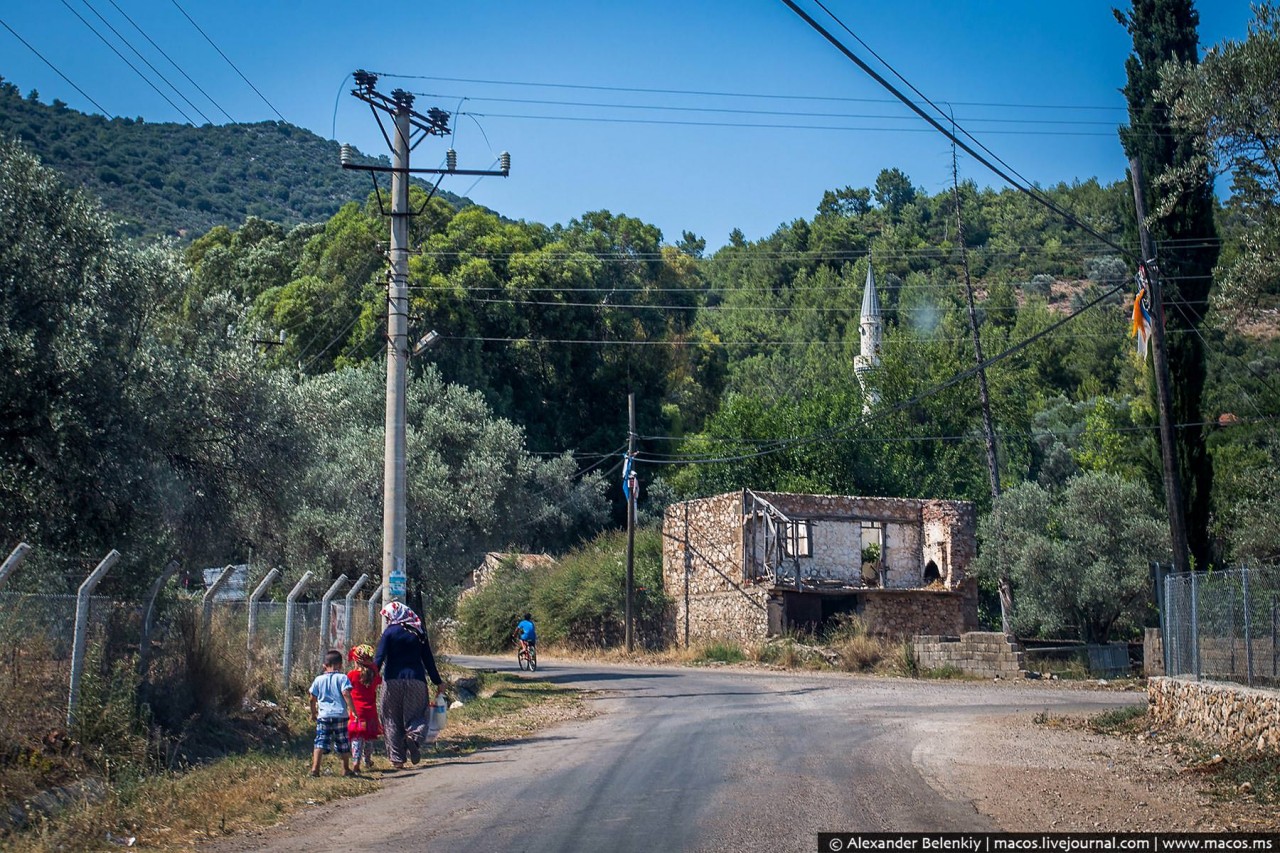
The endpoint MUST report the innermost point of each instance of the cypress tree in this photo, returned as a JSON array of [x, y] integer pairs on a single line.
[[1185, 235]]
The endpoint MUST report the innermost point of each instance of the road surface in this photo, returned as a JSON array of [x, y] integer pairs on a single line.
[[692, 759]]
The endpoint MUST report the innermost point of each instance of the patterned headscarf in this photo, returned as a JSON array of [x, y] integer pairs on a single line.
[[362, 657], [361, 654], [398, 613]]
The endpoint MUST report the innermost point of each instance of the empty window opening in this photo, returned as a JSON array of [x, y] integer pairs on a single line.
[[797, 540], [873, 562]]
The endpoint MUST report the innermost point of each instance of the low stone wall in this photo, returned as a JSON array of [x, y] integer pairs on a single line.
[[903, 613], [1228, 715], [987, 654]]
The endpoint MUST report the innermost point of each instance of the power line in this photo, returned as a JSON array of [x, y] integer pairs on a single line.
[[1046, 202], [700, 93], [892, 439], [698, 342], [132, 67], [783, 444], [228, 59], [154, 70], [922, 96], [57, 71], [740, 111], [757, 126], [172, 62]]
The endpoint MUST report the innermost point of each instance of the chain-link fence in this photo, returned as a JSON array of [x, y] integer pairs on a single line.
[[36, 638], [1223, 625]]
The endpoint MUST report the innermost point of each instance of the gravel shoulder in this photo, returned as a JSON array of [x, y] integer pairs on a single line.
[[1031, 772]]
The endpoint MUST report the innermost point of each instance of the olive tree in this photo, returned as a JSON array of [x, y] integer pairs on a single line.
[[1078, 556]]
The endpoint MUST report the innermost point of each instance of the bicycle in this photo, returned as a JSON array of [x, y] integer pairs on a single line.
[[527, 657]]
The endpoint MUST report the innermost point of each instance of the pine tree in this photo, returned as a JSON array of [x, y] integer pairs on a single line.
[[1184, 231]]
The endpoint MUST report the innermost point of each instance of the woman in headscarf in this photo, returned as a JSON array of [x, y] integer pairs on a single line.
[[405, 658]]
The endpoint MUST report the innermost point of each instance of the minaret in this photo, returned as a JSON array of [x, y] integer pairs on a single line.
[[872, 328]]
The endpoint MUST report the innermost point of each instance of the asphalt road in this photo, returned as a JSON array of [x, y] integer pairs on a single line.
[[691, 759]]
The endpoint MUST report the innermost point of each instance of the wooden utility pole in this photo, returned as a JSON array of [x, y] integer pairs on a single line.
[[988, 430], [1168, 450], [631, 517]]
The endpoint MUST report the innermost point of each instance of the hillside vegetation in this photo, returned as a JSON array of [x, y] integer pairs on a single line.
[[178, 180]]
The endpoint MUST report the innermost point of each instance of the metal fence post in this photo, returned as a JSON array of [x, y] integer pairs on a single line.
[[298, 588], [324, 613], [349, 604], [375, 598], [144, 646], [206, 603], [14, 560], [1195, 626], [1248, 639], [82, 626], [253, 610], [1162, 607]]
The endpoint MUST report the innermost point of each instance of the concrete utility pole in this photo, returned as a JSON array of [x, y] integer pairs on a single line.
[[394, 472], [631, 516], [1164, 396], [406, 123]]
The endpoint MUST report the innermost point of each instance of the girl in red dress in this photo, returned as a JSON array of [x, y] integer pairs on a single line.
[[364, 727]]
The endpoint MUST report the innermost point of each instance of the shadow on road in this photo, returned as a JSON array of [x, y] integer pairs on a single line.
[[571, 677]]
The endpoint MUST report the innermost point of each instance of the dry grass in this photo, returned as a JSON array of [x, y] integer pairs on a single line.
[[239, 793], [845, 647]]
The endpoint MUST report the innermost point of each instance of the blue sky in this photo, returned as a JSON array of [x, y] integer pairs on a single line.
[[1036, 81]]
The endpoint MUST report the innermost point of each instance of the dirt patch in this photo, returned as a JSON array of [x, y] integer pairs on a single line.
[[1030, 772]]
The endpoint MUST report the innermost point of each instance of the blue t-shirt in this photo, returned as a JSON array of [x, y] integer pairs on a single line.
[[328, 689], [527, 632]]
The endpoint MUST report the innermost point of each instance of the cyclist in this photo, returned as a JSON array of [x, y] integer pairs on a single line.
[[526, 633]]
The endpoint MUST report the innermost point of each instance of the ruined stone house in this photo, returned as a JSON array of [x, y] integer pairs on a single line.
[[482, 574], [747, 565]]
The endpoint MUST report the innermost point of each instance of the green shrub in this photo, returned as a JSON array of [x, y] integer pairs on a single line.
[[1127, 719], [487, 617], [721, 652], [580, 601]]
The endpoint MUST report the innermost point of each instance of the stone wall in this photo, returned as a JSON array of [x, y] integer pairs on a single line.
[[981, 653], [1228, 715], [740, 617], [1152, 652], [950, 530], [903, 613], [702, 573]]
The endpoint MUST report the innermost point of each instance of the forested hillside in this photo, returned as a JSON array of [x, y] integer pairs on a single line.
[[178, 180]]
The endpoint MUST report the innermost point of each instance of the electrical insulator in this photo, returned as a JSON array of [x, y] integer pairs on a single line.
[[451, 159], [344, 156], [504, 160]]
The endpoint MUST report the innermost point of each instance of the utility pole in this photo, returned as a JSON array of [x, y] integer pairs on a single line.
[[628, 480], [406, 122], [1172, 485], [988, 430]]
